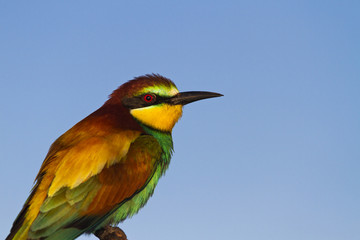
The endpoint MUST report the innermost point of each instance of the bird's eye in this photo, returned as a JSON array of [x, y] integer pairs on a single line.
[[149, 98]]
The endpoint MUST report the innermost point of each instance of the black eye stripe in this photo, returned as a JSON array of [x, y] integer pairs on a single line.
[[141, 100]]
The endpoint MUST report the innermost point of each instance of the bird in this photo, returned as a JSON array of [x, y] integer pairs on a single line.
[[106, 167]]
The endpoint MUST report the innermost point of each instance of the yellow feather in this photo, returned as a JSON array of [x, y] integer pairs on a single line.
[[89, 157], [162, 117]]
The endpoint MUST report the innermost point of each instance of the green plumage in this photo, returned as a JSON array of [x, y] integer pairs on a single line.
[[105, 168]]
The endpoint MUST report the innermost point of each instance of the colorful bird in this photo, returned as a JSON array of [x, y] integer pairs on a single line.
[[105, 168]]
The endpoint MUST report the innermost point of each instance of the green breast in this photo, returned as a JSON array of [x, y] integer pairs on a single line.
[[133, 205]]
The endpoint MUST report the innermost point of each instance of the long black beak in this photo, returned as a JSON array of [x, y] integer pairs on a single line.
[[189, 97]]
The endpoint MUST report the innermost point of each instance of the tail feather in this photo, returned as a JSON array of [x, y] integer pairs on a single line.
[[19, 227]]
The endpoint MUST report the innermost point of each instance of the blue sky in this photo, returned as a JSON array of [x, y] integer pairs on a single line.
[[276, 158]]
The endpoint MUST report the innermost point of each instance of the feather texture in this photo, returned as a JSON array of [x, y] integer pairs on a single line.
[[106, 167]]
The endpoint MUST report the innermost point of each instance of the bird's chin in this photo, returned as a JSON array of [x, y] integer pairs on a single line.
[[160, 117]]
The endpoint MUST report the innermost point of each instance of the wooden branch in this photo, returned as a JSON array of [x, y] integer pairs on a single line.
[[110, 233]]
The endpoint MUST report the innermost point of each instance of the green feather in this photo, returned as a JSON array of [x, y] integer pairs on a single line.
[[53, 202], [133, 205], [61, 209]]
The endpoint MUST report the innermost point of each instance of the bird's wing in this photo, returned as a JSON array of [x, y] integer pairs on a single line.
[[78, 185], [73, 165]]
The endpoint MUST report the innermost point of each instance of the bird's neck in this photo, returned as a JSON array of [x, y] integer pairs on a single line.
[[166, 143]]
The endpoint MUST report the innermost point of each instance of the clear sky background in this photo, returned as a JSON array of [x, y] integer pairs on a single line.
[[276, 158]]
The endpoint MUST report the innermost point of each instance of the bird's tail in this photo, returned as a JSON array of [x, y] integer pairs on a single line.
[[19, 228]]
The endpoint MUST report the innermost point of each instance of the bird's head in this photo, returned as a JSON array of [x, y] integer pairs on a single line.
[[155, 101]]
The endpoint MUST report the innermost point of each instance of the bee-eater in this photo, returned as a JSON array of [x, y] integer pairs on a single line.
[[105, 168]]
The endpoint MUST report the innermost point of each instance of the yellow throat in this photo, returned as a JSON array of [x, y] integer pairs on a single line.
[[161, 117]]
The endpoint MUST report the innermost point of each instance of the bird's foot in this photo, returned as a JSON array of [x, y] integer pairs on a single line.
[[110, 233]]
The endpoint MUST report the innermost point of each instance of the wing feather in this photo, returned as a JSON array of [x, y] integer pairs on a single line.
[[89, 157], [86, 205]]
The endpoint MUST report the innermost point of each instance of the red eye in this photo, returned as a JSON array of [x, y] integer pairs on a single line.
[[148, 98]]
